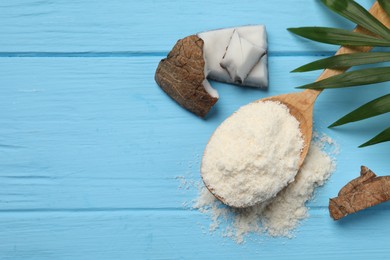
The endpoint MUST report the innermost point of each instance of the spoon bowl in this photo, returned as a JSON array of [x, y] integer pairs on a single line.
[[301, 106]]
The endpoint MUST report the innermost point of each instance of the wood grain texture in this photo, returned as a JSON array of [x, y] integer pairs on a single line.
[[150, 26], [91, 148], [99, 133], [180, 235]]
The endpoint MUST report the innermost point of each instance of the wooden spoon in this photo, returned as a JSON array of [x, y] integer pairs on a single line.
[[301, 103]]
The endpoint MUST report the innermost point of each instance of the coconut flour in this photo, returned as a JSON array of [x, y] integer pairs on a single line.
[[280, 215], [253, 154]]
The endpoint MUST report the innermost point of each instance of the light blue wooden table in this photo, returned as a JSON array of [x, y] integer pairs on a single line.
[[90, 147]]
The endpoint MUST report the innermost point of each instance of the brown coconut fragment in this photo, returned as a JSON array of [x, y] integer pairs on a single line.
[[360, 193], [181, 76]]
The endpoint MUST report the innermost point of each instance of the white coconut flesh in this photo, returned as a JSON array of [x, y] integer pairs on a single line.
[[235, 55]]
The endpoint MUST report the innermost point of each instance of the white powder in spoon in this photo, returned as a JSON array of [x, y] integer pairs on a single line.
[[253, 154], [279, 216]]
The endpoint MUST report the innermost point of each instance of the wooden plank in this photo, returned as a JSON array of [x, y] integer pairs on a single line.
[[153, 26], [98, 133], [182, 235], [92, 152]]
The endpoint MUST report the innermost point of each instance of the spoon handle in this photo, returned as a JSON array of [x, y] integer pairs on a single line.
[[378, 12]]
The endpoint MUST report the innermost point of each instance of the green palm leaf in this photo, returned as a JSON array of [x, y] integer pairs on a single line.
[[357, 14], [339, 36], [385, 4], [373, 108], [353, 78], [383, 136], [343, 61]]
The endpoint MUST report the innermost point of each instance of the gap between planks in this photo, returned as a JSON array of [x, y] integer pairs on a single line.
[[89, 210], [136, 54], [135, 209]]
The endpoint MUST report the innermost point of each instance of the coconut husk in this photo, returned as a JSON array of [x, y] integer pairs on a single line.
[[363, 192], [181, 76]]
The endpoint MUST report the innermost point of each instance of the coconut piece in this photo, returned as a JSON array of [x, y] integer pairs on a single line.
[[181, 75], [240, 58], [215, 45], [361, 193]]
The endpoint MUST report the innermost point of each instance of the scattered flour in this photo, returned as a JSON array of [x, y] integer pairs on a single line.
[[281, 215], [253, 154]]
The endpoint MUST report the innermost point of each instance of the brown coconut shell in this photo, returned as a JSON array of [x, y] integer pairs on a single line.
[[181, 76]]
